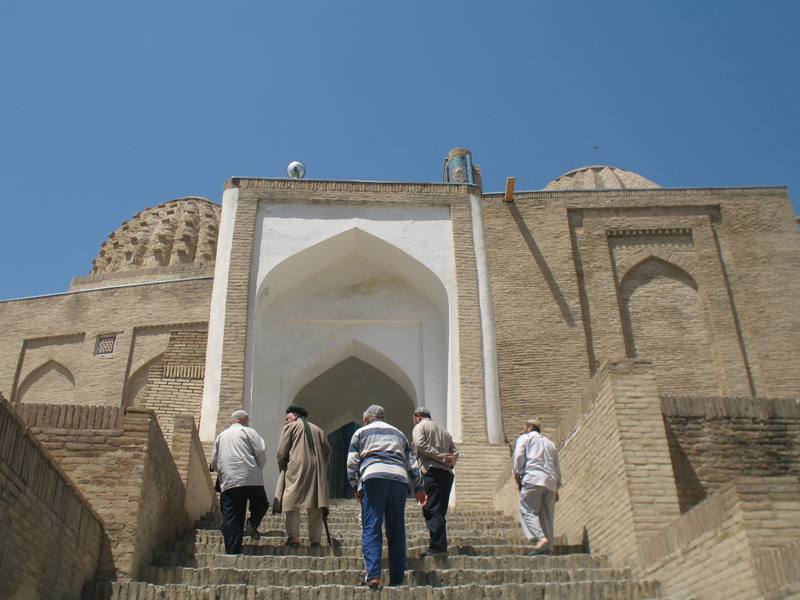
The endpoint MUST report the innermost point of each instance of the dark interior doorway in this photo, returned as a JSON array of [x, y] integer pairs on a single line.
[[339, 440]]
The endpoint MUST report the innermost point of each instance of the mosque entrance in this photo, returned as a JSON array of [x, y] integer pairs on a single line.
[[335, 401]]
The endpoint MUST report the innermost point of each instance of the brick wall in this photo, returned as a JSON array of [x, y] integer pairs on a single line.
[[617, 475], [175, 385], [480, 470], [51, 537], [190, 459], [123, 467], [737, 543], [712, 440], [47, 344]]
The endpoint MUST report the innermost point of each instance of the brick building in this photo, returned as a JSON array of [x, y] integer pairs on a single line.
[[652, 330]]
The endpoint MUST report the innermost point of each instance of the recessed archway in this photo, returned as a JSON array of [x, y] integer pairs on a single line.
[[49, 383], [353, 295]]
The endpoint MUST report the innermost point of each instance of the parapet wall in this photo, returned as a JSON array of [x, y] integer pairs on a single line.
[[713, 440], [752, 523], [51, 537], [617, 486], [124, 467], [190, 459]]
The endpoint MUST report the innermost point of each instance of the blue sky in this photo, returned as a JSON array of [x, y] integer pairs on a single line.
[[109, 107]]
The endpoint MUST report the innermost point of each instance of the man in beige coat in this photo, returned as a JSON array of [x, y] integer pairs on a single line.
[[303, 455]]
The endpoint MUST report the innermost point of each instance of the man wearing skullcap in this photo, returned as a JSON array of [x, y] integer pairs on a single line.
[[303, 455], [536, 469], [239, 455], [436, 454], [381, 469]]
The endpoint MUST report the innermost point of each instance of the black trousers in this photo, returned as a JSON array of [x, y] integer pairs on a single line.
[[438, 483], [234, 506]]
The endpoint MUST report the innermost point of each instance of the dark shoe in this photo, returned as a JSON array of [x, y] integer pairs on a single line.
[[396, 583], [433, 553], [373, 584], [315, 545], [292, 543], [251, 531]]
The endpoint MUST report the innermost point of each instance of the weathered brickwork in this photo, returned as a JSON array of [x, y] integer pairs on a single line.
[[713, 440], [190, 460], [538, 317], [124, 469], [668, 275], [618, 486], [751, 522], [175, 385], [38, 501], [47, 344]]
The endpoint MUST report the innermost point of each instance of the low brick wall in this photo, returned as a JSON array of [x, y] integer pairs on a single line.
[[618, 486], [739, 543], [713, 440], [126, 472], [479, 473], [51, 537], [190, 459]]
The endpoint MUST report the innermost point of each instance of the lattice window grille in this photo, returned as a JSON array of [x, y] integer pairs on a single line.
[[105, 344]]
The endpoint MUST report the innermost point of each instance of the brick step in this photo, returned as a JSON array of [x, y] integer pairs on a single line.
[[278, 522], [276, 537], [416, 546], [333, 563], [585, 590], [414, 577]]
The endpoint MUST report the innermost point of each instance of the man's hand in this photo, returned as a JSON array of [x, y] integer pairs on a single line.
[[518, 479], [422, 498], [358, 495], [556, 496], [449, 460]]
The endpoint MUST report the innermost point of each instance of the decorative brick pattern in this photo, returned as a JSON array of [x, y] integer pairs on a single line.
[[175, 386]]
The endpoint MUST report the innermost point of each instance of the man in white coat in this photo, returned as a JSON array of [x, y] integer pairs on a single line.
[[239, 455], [538, 476]]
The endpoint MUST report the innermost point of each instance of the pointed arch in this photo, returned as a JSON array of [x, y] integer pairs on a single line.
[[138, 380], [354, 241], [50, 383], [663, 319], [327, 359], [634, 260]]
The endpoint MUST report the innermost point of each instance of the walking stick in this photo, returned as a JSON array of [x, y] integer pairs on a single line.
[[333, 543]]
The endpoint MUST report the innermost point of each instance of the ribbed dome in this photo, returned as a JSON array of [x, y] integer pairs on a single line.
[[600, 177], [181, 231]]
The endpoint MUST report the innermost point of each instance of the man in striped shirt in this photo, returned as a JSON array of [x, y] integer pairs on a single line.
[[381, 469]]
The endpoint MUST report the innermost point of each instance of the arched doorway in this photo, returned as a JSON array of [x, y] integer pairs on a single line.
[[351, 296], [335, 401]]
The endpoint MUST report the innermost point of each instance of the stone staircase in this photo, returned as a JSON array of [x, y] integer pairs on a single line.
[[488, 560]]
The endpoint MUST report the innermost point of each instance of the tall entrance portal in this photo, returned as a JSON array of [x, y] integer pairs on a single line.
[[335, 401]]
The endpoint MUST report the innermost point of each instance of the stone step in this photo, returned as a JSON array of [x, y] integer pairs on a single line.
[[276, 537], [582, 590], [333, 563], [415, 546], [435, 577]]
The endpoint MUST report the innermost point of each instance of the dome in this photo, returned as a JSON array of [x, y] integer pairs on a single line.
[[600, 177], [182, 231]]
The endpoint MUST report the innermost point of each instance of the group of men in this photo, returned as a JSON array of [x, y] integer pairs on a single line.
[[382, 467]]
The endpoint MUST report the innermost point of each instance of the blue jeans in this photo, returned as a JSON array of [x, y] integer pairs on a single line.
[[384, 498]]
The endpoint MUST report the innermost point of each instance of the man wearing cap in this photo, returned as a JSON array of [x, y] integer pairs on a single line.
[[238, 456], [436, 455], [536, 469], [303, 455], [381, 469]]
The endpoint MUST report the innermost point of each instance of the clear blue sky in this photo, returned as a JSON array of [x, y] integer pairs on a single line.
[[109, 107]]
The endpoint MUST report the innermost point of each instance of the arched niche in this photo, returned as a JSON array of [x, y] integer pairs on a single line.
[[49, 383], [138, 380], [664, 320]]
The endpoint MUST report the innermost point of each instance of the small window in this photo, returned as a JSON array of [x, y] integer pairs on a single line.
[[105, 344]]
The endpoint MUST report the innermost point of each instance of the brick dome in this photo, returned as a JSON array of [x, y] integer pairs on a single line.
[[181, 231], [600, 177]]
